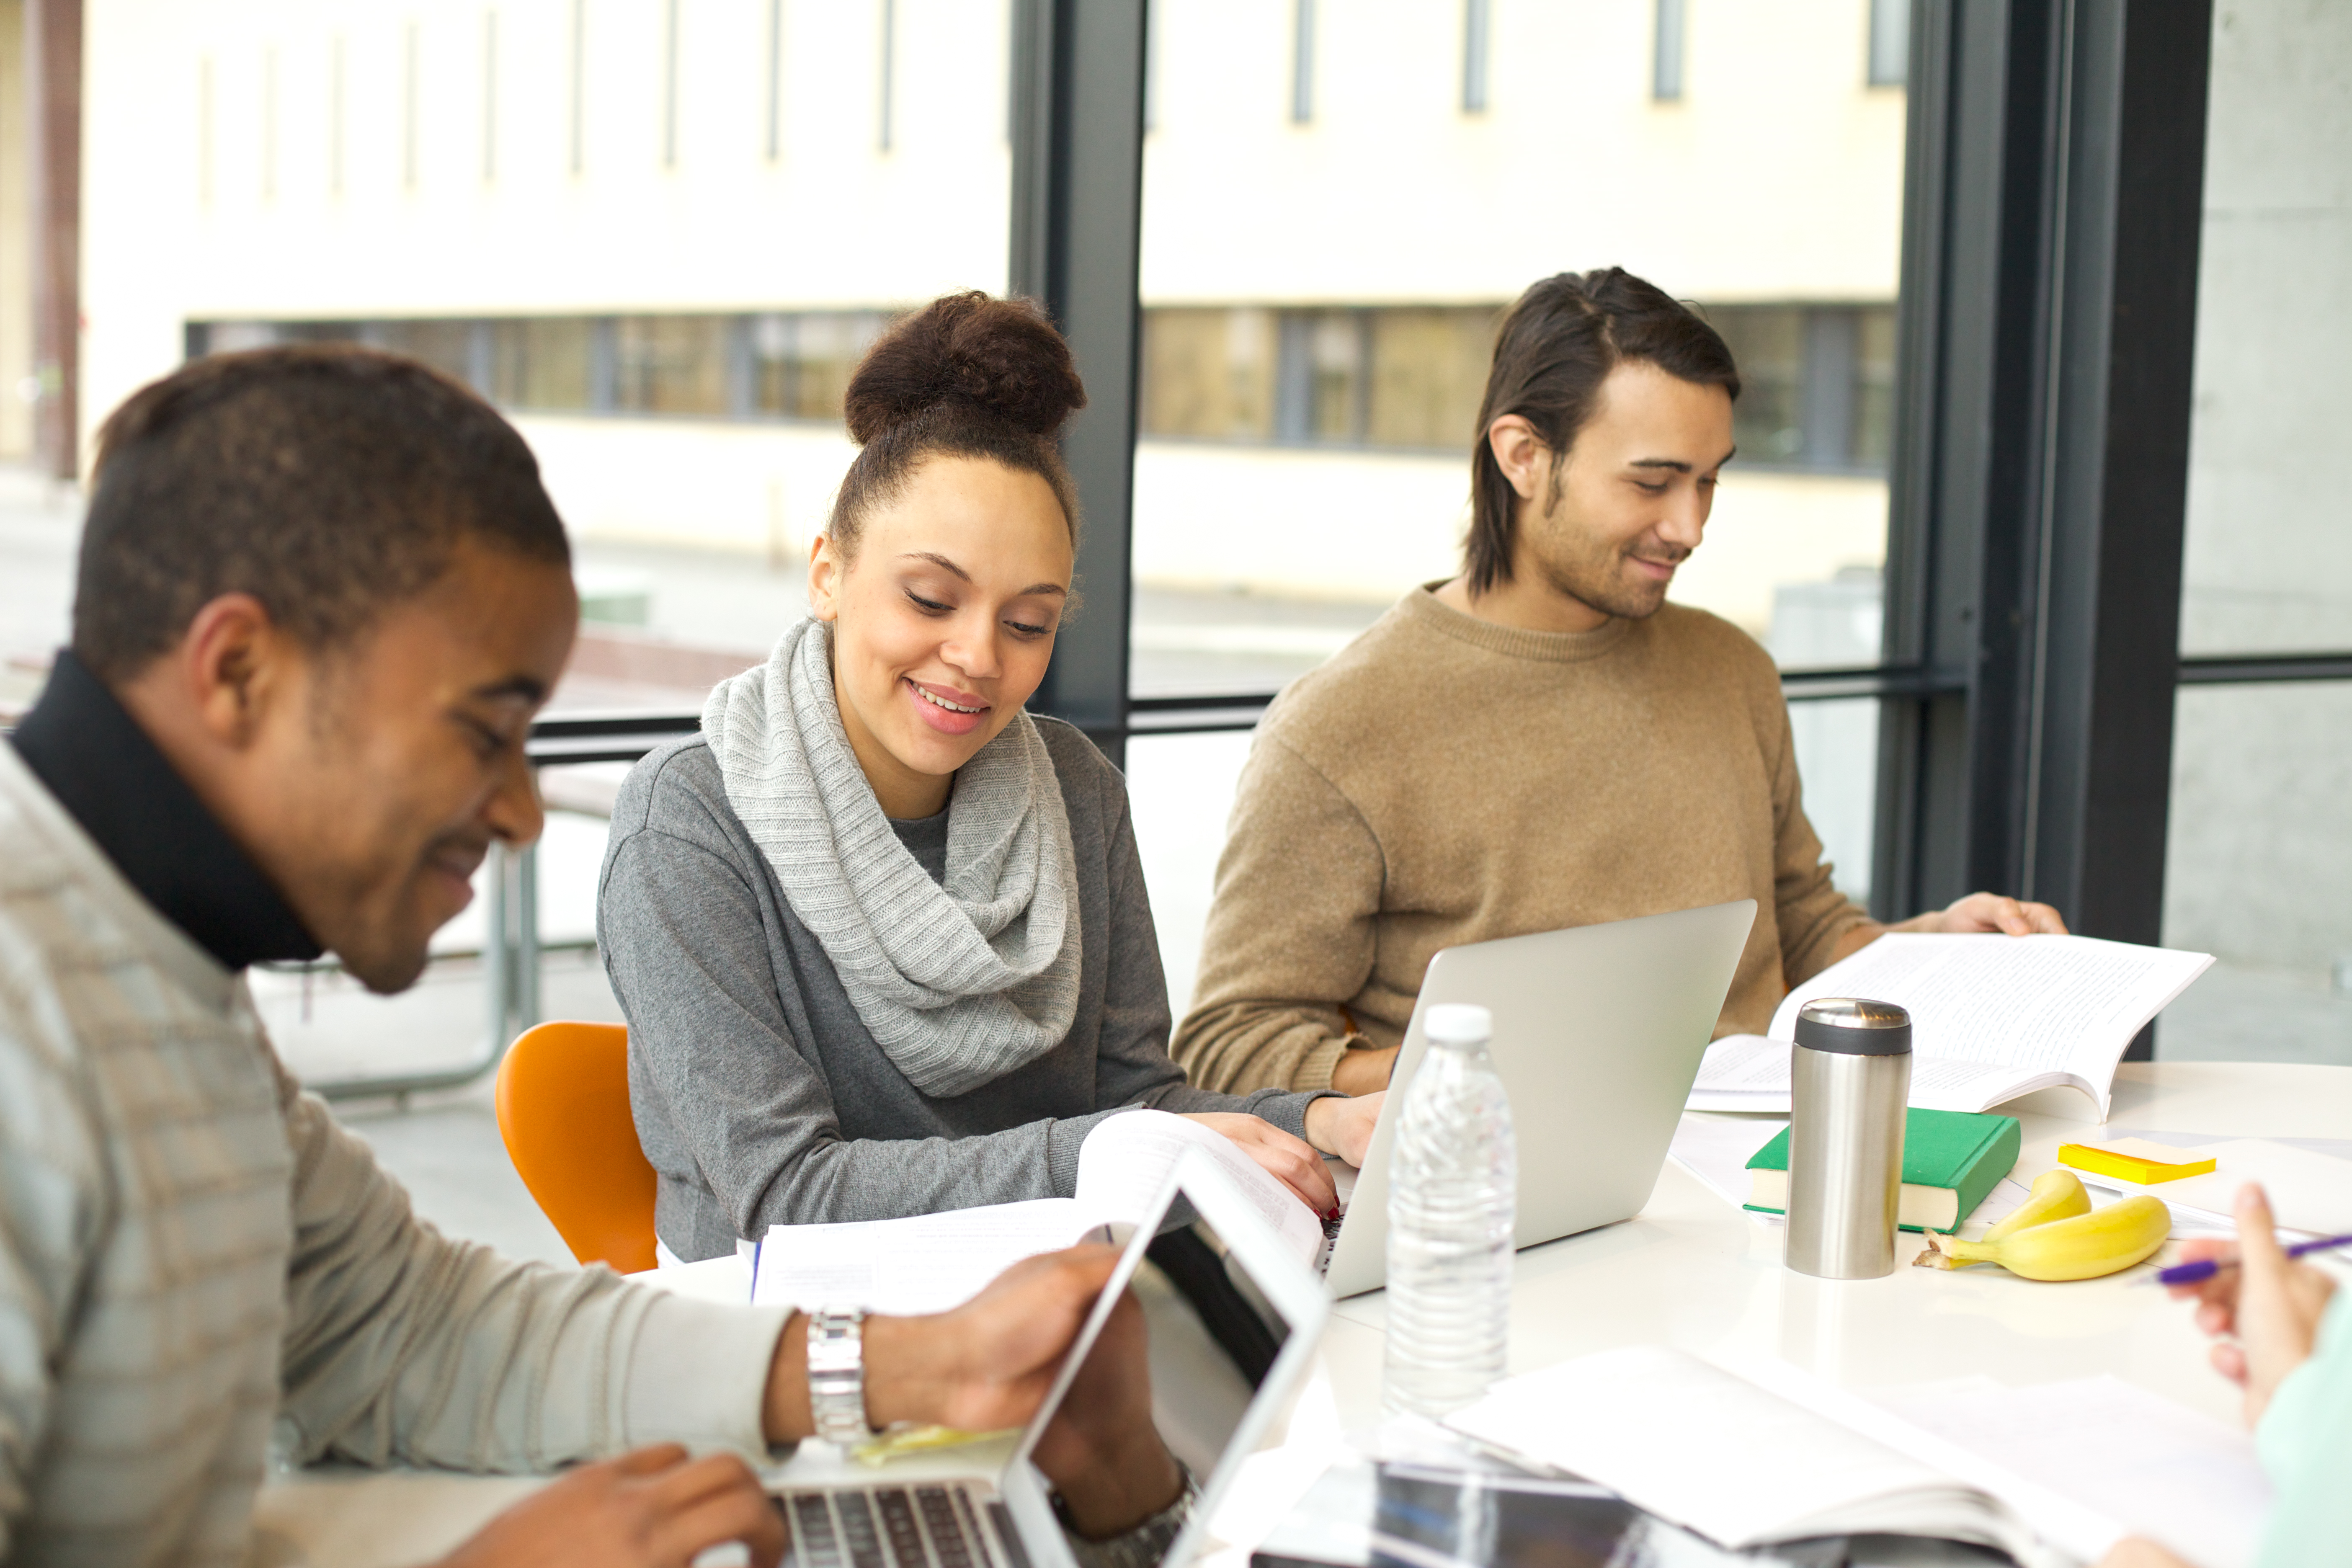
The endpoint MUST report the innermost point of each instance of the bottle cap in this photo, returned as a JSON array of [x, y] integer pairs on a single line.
[[1460, 1024], [1854, 1027]]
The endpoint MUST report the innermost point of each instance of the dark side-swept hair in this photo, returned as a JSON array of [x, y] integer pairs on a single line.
[[328, 481], [967, 375], [1557, 345]]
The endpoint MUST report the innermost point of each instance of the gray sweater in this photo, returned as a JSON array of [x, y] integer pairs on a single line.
[[760, 1096]]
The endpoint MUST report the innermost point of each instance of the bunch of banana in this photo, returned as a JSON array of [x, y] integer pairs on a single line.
[[2057, 1235], [2057, 1194]]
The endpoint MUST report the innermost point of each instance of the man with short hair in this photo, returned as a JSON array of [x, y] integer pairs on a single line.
[[1542, 742], [322, 595]]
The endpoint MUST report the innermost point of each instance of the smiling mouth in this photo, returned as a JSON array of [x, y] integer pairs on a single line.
[[936, 701]]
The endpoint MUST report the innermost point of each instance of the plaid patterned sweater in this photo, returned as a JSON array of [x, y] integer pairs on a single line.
[[192, 1249]]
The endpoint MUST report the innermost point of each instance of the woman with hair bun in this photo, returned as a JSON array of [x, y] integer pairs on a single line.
[[881, 935]]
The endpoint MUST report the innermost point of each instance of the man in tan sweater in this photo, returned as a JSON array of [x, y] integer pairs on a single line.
[[1542, 742]]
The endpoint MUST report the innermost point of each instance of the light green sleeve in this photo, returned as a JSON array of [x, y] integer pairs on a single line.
[[2305, 1443], [405, 1346]]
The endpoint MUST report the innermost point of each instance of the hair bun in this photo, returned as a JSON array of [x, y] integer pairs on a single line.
[[1001, 357]]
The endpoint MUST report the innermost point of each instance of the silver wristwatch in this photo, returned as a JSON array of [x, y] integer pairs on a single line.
[[836, 1374]]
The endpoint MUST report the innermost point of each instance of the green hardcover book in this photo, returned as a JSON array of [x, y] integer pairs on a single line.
[[1951, 1159]]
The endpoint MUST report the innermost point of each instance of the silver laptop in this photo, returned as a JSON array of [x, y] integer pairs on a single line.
[[1225, 1364], [1598, 1035]]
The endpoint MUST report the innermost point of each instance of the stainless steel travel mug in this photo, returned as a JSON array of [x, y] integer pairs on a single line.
[[1850, 1081]]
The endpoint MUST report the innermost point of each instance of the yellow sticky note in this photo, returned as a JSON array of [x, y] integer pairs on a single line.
[[900, 1441], [2135, 1159]]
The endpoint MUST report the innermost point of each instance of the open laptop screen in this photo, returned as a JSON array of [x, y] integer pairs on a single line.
[[1214, 1334], [1188, 1363]]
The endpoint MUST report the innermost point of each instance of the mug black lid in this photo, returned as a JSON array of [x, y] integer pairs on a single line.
[[1853, 1026]]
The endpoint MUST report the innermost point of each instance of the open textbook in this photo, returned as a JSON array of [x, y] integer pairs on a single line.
[[2053, 1475], [933, 1262], [1992, 1018]]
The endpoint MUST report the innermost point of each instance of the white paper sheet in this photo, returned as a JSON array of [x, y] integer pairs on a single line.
[[923, 1263], [1718, 1152], [2156, 1468], [932, 1263]]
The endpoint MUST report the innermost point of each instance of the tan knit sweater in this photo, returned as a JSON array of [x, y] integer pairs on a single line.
[[1445, 780]]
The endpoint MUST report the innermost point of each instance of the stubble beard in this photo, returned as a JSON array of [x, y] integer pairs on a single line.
[[1596, 576]]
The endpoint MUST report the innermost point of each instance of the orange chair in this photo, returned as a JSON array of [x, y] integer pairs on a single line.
[[564, 1109]]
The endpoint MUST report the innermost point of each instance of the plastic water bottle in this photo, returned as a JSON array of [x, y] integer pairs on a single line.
[[1453, 1184]]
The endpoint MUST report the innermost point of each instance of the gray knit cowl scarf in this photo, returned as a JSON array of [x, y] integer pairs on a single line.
[[959, 983]]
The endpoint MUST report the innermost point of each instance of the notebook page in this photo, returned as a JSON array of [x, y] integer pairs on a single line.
[[1696, 1445], [2015, 1007], [1742, 1072], [1750, 1073], [1127, 1159], [922, 1263]]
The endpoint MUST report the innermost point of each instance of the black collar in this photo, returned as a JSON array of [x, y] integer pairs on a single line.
[[101, 767]]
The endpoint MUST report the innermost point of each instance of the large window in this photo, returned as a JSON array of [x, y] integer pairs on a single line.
[[1321, 295], [2259, 862], [659, 236]]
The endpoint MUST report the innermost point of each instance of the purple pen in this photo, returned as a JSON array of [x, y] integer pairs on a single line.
[[2204, 1268]]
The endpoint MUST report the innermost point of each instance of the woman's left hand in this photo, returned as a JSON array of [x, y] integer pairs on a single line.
[[1283, 1157], [1344, 1126]]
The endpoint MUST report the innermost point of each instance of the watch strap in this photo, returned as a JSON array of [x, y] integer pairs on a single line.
[[836, 1374], [1143, 1545]]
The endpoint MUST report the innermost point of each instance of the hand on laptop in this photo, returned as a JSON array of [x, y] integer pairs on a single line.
[[650, 1508], [1290, 1161], [1101, 1450], [1344, 1127]]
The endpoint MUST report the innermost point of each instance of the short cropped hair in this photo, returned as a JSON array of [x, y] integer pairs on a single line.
[[1555, 348], [328, 481]]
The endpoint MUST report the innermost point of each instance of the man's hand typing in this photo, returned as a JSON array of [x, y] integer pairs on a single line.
[[652, 1509]]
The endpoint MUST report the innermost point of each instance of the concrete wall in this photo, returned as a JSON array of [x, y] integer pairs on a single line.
[[2258, 864], [2269, 562]]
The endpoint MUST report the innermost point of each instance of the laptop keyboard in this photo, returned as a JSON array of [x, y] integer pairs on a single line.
[[917, 1527]]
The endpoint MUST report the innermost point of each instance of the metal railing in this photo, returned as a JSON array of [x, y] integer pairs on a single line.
[[513, 948]]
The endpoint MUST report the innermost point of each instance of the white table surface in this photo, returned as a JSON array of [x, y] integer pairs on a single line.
[[1690, 1271]]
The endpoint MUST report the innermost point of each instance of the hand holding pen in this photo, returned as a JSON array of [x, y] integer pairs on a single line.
[[2263, 1308], [2204, 1268]]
